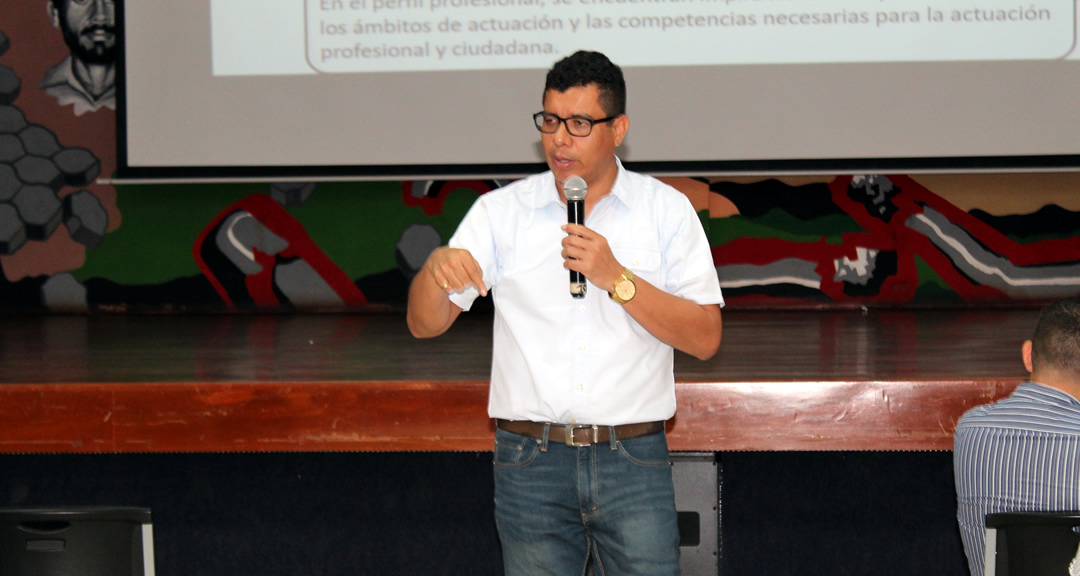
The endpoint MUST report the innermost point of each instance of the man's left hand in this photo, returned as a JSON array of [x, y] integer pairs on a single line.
[[586, 251]]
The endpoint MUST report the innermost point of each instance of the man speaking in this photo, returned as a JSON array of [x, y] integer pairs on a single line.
[[581, 387]]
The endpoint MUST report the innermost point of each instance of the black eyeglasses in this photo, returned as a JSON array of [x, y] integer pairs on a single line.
[[575, 125]]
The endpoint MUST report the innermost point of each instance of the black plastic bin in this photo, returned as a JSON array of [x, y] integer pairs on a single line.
[[85, 541]]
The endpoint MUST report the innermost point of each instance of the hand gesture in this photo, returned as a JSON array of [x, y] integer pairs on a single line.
[[454, 270]]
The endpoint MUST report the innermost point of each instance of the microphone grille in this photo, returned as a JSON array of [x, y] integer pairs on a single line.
[[575, 188]]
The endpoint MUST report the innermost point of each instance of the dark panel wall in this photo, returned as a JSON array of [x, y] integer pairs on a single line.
[[798, 513]]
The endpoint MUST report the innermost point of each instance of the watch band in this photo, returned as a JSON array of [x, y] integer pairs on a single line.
[[624, 289]]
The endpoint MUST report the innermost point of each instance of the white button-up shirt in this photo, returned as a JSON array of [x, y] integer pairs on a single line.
[[569, 360]]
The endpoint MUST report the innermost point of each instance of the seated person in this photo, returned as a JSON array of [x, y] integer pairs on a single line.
[[1022, 453]]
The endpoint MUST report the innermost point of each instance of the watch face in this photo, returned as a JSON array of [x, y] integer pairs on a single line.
[[625, 290]]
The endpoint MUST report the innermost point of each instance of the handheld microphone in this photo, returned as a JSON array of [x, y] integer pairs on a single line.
[[575, 190]]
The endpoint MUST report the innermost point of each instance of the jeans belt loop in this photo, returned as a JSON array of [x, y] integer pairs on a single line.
[[544, 438], [612, 440]]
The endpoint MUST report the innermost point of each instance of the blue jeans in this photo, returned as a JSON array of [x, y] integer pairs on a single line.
[[557, 507]]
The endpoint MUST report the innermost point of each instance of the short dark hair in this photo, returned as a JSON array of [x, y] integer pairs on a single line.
[[1056, 343], [583, 68]]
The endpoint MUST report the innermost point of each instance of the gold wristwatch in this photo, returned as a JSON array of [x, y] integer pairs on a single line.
[[624, 289]]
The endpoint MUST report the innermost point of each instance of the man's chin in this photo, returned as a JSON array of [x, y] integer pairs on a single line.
[[98, 53]]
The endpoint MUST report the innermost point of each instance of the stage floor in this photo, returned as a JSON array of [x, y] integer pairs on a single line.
[[783, 380]]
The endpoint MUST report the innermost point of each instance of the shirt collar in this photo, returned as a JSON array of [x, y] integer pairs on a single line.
[[1046, 393], [547, 193], [621, 189]]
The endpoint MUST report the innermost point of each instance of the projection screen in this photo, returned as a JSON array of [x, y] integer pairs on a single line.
[[437, 88]]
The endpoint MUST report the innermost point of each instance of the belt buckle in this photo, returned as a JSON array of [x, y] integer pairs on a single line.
[[571, 441]]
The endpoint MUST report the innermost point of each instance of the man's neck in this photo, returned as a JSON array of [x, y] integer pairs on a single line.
[[1057, 381], [95, 78]]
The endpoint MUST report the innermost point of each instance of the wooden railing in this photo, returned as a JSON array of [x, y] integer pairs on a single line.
[[791, 380]]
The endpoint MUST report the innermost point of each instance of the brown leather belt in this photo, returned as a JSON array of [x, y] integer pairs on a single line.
[[580, 434]]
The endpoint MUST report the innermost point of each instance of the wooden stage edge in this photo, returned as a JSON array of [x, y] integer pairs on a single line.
[[783, 381], [401, 416]]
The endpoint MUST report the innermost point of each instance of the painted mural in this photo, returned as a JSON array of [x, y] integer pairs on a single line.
[[890, 240], [69, 243]]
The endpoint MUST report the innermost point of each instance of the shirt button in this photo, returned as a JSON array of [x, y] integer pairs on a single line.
[[635, 262], [582, 347], [580, 387], [582, 308]]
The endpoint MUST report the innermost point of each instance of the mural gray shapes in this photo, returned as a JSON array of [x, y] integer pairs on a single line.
[[63, 293], [875, 193], [36, 171], [9, 81], [859, 271], [240, 234], [9, 85], [786, 271], [11, 148], [419, 188], [12, 120], [415, 245], [85, 218], [989, 269], [39, 209], [290, 194], [34, 168], [38, 141], [304, 287], [87, 78], [9, 183], [12, 230], [78, 165]]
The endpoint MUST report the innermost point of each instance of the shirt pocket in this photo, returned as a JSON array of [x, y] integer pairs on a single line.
[[643, 262]]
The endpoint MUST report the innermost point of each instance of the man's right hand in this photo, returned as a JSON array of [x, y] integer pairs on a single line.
[[454, 270], [447, 270]]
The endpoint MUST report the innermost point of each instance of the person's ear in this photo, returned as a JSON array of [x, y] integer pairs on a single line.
[[621, 125], [54, 14], [1025, 351]]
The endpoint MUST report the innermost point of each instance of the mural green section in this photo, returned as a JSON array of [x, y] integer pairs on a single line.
[[932, 287], [358, 225], [1025, 240], [455, 206], [159, 225], [781, 225]]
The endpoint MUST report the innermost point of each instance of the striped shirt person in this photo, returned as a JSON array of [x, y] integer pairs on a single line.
[[1022, 453], [1018, 455]]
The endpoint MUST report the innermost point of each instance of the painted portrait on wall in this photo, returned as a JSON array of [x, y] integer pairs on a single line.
[[87, 78]]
